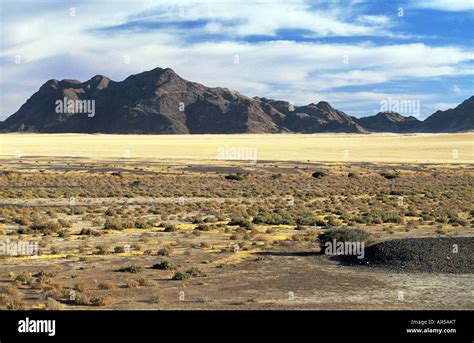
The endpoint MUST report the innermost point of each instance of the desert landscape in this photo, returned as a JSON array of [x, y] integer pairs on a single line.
[[236, 221], [197, 168]]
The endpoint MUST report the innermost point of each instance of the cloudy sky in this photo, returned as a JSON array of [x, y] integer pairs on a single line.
[[353, 54]]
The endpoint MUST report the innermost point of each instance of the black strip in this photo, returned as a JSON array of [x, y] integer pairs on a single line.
[[244, 323]]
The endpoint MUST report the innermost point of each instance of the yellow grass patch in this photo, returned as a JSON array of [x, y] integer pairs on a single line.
[[186, 227], [236, 257], [36, 257], [281, 236]]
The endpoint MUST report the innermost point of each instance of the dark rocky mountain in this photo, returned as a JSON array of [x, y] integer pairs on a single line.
[[458, 119], [389, 122], [160, 102], [320, 117]]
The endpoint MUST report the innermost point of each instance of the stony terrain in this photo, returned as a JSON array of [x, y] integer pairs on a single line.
[[428, 255]]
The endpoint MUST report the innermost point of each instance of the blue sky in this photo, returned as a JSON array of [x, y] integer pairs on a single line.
[[354, 54]]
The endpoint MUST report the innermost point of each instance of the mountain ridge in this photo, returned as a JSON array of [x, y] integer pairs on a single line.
[[159, 101]]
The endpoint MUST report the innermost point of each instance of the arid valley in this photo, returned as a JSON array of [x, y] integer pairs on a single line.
[[232, 221]]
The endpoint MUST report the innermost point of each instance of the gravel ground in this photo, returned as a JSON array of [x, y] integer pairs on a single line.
[[428, 255]]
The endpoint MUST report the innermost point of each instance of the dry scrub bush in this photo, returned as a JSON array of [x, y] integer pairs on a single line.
[[106, 285]]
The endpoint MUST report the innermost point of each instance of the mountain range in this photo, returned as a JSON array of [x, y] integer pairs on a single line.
[[161, 102]]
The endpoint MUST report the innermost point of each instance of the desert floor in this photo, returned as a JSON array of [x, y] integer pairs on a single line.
[[373, 148], [233, 234]]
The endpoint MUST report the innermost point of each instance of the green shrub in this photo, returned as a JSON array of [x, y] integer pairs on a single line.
[[102, 249], [234, 177], [208, 227], [115, 224], [187, 274], [181, 276], [373, 218], [53, 305], [198, 220], [105, 285], [119, 250], [309, 219], [98, 301], [259, 219], [142, 224], [344, 235], [131, 269], [194, 272], [392, 217], [318, 174], [170, 227], [389, 176], [65, 224], [164, 265], [89, 232], [45, 227], [244, 223], [165, 251]]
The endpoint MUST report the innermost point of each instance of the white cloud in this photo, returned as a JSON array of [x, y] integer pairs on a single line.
[[267, 17], [375, 19], [443, 106], [54, 45], [445, 5]]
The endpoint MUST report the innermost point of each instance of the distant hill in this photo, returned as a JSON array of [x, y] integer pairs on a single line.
[[161, 102], [458, 119], [389, 122]]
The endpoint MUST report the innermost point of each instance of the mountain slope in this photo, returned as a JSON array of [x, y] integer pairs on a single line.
[[458, 119], [159, 101]]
